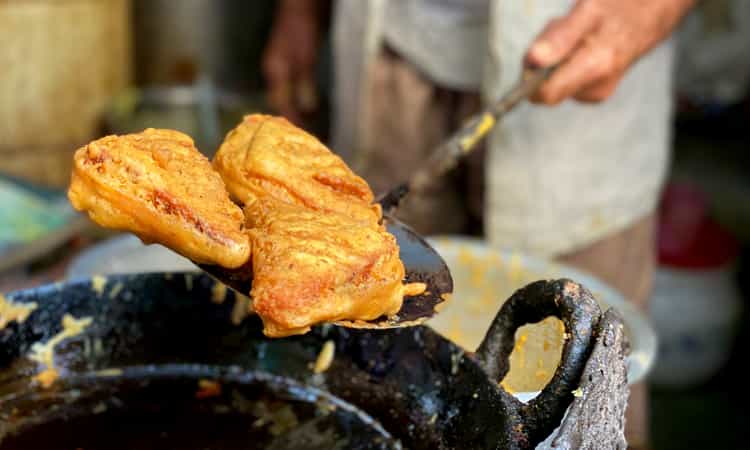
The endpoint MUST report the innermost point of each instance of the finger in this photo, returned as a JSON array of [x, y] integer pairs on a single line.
[[598, 92], [588, 65], [306, 94], [563, 35], [304, 63], [278, 83], [281, 100], [276, 64]]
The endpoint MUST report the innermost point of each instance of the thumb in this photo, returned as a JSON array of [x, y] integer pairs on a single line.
[[563, 35]]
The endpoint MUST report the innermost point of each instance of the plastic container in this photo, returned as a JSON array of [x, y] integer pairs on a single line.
[[696, 304]]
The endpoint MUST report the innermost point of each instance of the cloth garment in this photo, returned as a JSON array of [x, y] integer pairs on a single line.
[[441, 38], [557, 179], [413, 116], [560, 178]]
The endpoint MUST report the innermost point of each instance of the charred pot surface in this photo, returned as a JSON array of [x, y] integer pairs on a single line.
[[194, 408], [423, 389], [580, 313], [596, 418]]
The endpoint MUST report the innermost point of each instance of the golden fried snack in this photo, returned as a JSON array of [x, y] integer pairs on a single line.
[[311, 267], [268, 156], [157, 185], [319, 251]]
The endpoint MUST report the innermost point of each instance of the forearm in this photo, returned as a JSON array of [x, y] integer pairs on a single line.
[[671, 14], [290, 56], [310, 8]]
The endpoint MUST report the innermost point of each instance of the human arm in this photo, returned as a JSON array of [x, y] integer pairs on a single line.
[[290, 57], [597, 42]]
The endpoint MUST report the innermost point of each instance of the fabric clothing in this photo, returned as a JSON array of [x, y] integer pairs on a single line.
[[440, 37], [560, 178], [557, 179], [413, 116]]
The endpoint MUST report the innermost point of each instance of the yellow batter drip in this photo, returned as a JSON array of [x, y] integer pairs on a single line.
[[97, 284], [10, 311], [218, 293], [44, 353]]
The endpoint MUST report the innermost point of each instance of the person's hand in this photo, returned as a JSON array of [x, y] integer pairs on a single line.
[[289, 59], [597, 42]]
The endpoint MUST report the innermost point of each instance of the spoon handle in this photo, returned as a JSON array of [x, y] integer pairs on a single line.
[[463, 141]]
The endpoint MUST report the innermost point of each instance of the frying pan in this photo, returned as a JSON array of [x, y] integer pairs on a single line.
[[132, 378]]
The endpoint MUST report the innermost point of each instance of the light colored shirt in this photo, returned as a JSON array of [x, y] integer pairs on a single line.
[[443, 38], [558, 178]]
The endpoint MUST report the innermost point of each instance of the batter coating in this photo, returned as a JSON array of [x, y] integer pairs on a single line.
[[157, 185]]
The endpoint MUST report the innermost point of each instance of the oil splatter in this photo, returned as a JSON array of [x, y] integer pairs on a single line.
[[97, 284], [325, 357], [10, 311], [44, 353]]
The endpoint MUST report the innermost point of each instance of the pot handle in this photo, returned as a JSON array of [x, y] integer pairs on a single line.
[[579, 312]]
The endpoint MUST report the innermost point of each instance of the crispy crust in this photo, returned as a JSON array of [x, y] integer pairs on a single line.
[[157, 185], [311, 267], [319, 251], [268, 156]]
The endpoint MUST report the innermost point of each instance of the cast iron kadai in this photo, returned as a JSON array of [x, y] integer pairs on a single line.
[[162, 366]]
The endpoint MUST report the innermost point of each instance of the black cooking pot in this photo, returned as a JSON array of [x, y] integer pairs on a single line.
[[162, 366]]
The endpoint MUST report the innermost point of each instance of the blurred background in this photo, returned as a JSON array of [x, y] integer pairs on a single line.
[[75, 70]]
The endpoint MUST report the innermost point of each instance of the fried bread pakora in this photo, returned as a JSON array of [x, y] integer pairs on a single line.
[[310, 267], [268, 156], [157, 185], [320, 253]]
